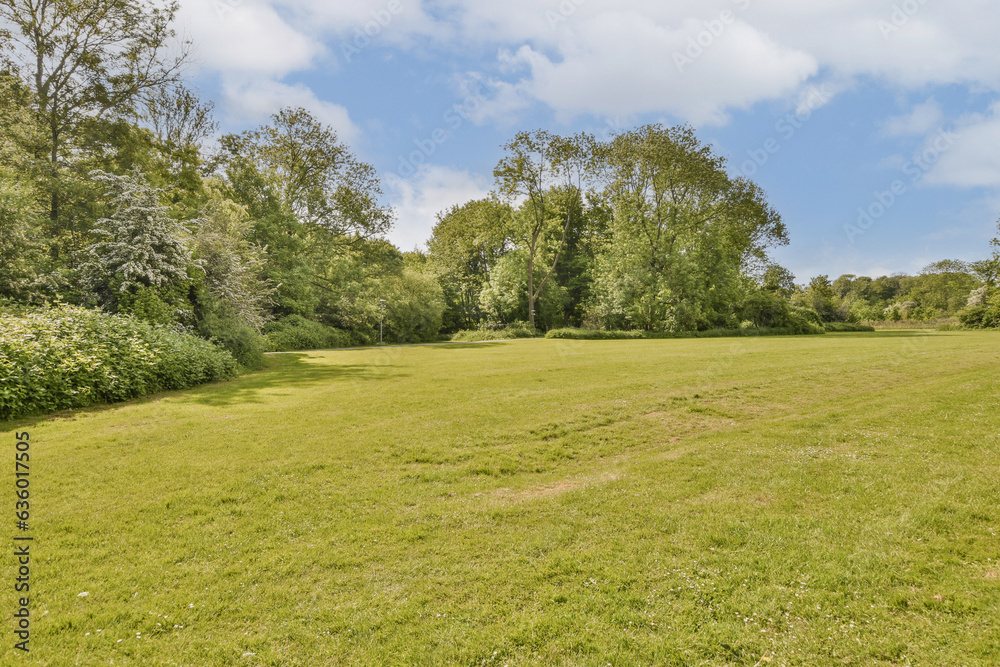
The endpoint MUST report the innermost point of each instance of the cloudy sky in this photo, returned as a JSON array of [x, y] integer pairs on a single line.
[[874, 125]]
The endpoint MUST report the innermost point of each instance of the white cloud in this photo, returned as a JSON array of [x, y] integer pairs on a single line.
[[418, 199], [234, 36], [923, 119], [973, 160], [619, 57], [623, 64], [254, 101]]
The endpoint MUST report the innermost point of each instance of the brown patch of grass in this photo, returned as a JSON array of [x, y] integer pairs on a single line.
[[555, 488]]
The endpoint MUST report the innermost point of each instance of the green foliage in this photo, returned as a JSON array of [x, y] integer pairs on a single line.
[[601, 334], [941, 290], [539, 168], [295, 332], [20, 210], [69, 357], [983, 310], [155, 305], [840, 327], [513, 331], [681, 233], [414, 306], [505, 297], [465, 246], [141, 245], [245, 343], [232, 264]]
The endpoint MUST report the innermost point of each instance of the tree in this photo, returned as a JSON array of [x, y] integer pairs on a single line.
[[89, 60], [315, 206], [143, 255], [536, 165], [315, 176], [465, 246], [779, 280], [19, 206], [178, 118], [681, 232], [232, 264]]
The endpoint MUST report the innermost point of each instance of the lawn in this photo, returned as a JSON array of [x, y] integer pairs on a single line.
[[814, 500]]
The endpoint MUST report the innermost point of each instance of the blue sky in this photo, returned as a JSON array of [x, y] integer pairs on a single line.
[[873, 125]]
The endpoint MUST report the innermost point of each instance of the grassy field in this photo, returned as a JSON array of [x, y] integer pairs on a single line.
[[822, 500]]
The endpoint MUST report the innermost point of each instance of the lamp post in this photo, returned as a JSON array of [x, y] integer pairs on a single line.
[[381, 318]]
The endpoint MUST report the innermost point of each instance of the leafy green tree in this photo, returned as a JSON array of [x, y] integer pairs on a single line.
[[331, 193], [681, 233], [820, 296], [466, 244], [19, 205], [778, 280], [233, 265], [90, 64], [505, 297], [314, 205], [535, 166], [142, 260]]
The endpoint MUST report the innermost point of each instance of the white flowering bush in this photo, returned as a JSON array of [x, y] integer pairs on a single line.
[[69, 357]]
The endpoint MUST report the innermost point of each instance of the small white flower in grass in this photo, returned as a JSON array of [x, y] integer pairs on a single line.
[[191, 606], [83, 594]]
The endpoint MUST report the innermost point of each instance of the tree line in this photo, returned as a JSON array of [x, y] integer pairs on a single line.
[[117, 193]]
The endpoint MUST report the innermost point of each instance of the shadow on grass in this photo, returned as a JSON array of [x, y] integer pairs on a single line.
[[466, 345], [291, 371], [286, 370], [892, 333]]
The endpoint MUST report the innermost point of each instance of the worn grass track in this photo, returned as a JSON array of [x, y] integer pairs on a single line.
[[816, 500]]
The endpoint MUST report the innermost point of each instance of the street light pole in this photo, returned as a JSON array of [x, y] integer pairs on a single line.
[[381, 318]]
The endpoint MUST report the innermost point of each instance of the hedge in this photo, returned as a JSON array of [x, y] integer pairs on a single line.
[[67, 357], [594, 334]]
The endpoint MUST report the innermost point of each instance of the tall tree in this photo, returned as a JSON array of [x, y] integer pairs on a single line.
[[89, 61], [232, 264], [19, 205], [536, 165], [311, 199], [466, 244], [331, 192], [142, 254], [682, 231]]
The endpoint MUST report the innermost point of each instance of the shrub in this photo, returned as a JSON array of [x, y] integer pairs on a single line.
[[983, 311], [841, 327], [246, 345], [509, 332], [592, 334], [980, 317], [295, 332], [68, 357]]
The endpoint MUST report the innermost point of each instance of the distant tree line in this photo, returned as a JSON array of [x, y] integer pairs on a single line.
[[112, 196]]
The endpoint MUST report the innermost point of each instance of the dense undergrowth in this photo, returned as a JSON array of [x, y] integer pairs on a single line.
[[68, 357]]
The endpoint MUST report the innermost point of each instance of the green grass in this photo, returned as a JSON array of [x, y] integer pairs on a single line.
[[826, 500]]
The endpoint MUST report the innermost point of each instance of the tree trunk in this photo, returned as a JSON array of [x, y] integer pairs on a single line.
[[531, 289]]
